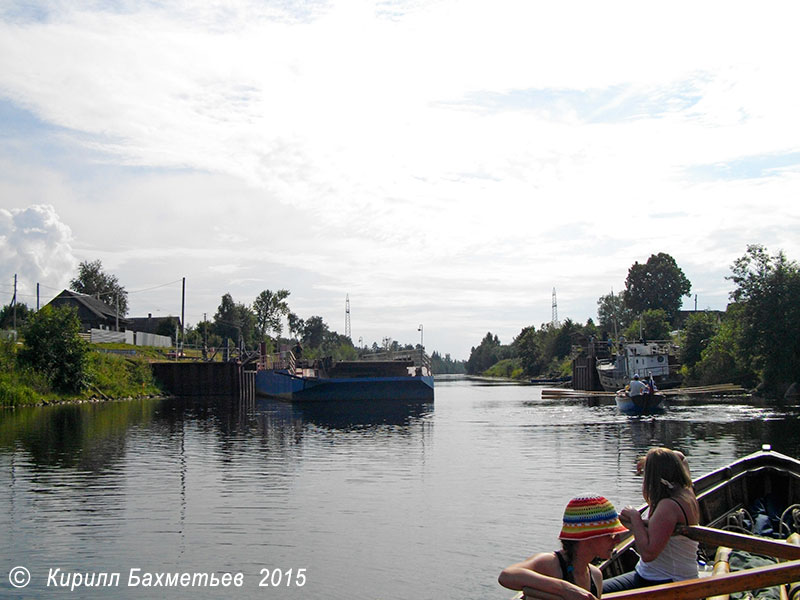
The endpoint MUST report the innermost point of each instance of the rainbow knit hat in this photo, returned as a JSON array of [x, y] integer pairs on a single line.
[[590, 516]]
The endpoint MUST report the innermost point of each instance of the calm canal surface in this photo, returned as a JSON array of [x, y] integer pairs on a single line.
[[408, 503]]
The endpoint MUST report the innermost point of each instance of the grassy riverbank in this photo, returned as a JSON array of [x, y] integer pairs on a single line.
[[109, 377]]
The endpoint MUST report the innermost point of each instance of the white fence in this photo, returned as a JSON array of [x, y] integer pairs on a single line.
[[152, 339], [137, 338]]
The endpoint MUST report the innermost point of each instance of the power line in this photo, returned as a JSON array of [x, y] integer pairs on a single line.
[[155, 287]]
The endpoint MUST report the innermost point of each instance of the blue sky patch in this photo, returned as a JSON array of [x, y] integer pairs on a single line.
[[607, 105], [751, 167]]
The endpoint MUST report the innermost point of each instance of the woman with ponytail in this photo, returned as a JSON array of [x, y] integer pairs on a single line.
[[667, 489], [589, 530]]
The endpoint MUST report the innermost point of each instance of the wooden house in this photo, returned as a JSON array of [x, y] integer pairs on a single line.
[[93, 313]]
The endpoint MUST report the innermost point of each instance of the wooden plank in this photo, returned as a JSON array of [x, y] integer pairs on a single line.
[[695, 589], [740, 541], [793, 589]]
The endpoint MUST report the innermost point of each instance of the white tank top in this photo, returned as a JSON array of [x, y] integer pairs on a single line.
[[677, 561]]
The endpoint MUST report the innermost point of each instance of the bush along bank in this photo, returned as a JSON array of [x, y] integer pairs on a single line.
[[103, 377]]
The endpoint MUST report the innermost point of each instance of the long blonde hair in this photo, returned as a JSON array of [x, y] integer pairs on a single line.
[[664, 473]]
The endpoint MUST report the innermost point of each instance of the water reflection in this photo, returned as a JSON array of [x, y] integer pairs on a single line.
[[88, 437], [353, 415], [366, 497]]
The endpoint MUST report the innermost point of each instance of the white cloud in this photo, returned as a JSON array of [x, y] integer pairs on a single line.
[[37, 247], [439, 158]]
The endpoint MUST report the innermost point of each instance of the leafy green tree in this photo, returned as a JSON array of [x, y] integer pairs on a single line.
[[53, 347], [768, 290], [723, 360], [613, 314], [296, 324], [659, 283], [446, 365], [485, 355], [235, 321], [529, 351], [202, 334], [558, 340], [654, 326], [225, 324], [699, 330], [269, 308], [314, 332], [590, 329], [91, 280], [168, 326], [7, 317]]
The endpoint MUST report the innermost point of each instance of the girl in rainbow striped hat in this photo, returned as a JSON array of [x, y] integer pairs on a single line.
[[589, 530]]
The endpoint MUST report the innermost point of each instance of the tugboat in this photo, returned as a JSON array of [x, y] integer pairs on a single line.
[[656, 359]]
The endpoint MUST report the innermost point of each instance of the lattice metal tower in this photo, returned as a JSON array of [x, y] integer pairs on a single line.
[[347, 316], [554, 320]]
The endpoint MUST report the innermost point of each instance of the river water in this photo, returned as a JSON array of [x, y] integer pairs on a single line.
[[403, 502]]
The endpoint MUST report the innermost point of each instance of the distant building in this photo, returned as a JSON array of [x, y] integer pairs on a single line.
[[93, 313], [151, 324]]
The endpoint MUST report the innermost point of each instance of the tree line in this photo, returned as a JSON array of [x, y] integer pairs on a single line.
[[752, 343], [234, 323]]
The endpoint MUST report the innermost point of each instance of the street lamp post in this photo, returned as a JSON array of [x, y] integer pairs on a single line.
[[421, 347]]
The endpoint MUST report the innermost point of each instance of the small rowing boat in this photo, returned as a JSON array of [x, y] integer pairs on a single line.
[[638, 405]]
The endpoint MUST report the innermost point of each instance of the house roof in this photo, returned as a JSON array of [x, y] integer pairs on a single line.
[[98, 307]]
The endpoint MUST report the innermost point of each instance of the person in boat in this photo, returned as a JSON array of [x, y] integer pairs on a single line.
[[667, 488], [636, 387], [590, 529]]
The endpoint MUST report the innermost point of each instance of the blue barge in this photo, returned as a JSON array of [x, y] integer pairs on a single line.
[[363, 380]]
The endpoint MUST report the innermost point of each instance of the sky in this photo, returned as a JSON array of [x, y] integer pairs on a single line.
[[444, 164]]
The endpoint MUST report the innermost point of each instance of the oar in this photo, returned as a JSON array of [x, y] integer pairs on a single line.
[[740, 541], [694, 589], [793, 593], [722, 566]]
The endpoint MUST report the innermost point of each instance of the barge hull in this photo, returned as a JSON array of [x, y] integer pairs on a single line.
[[281, 384]]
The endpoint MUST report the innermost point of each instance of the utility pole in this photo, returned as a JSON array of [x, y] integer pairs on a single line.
[[37, 297], [347, 316], [421, 347], [14, 302], [183, 306]]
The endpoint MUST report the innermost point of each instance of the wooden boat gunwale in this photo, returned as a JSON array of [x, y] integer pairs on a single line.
[[716, 482], [721, 482]]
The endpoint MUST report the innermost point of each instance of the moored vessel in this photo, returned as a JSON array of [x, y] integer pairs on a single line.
[[404, 377], [657, 359]]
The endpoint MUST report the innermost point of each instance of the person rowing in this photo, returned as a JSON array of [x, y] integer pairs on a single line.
[[636, 387]]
